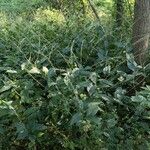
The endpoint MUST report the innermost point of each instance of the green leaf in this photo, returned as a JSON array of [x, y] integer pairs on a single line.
[[5, 88], [37, 126], [102, 55], [138, 99], [93, 77], [105, 83], [107, 69], [132, 65], [93, 108], [119, 93], [11, 71], [91, 88], [111, 122], [51, 72], [2, 129], [76, 118], [96, 120], [106, 98], [22, 132]]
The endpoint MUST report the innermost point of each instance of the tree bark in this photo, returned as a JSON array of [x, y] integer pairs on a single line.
[[141, 31], [119, 12]]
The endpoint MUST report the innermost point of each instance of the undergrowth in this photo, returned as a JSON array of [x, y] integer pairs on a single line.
[[69, 85]]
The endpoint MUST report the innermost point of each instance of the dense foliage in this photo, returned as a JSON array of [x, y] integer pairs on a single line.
[[69, 84]]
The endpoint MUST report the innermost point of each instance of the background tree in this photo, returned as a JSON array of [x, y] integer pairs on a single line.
[[119, 12], [141, 29]]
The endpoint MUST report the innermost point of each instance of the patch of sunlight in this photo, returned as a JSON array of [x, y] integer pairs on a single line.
[[3, 20], [47, 15]]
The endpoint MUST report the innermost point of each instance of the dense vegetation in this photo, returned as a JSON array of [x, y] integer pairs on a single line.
[[68, 79]]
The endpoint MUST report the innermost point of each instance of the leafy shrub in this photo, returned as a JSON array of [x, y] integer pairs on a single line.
[[73, 108], [69, 85]]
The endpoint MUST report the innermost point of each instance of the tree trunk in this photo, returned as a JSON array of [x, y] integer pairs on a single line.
[[141, 31], [119, 12]]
